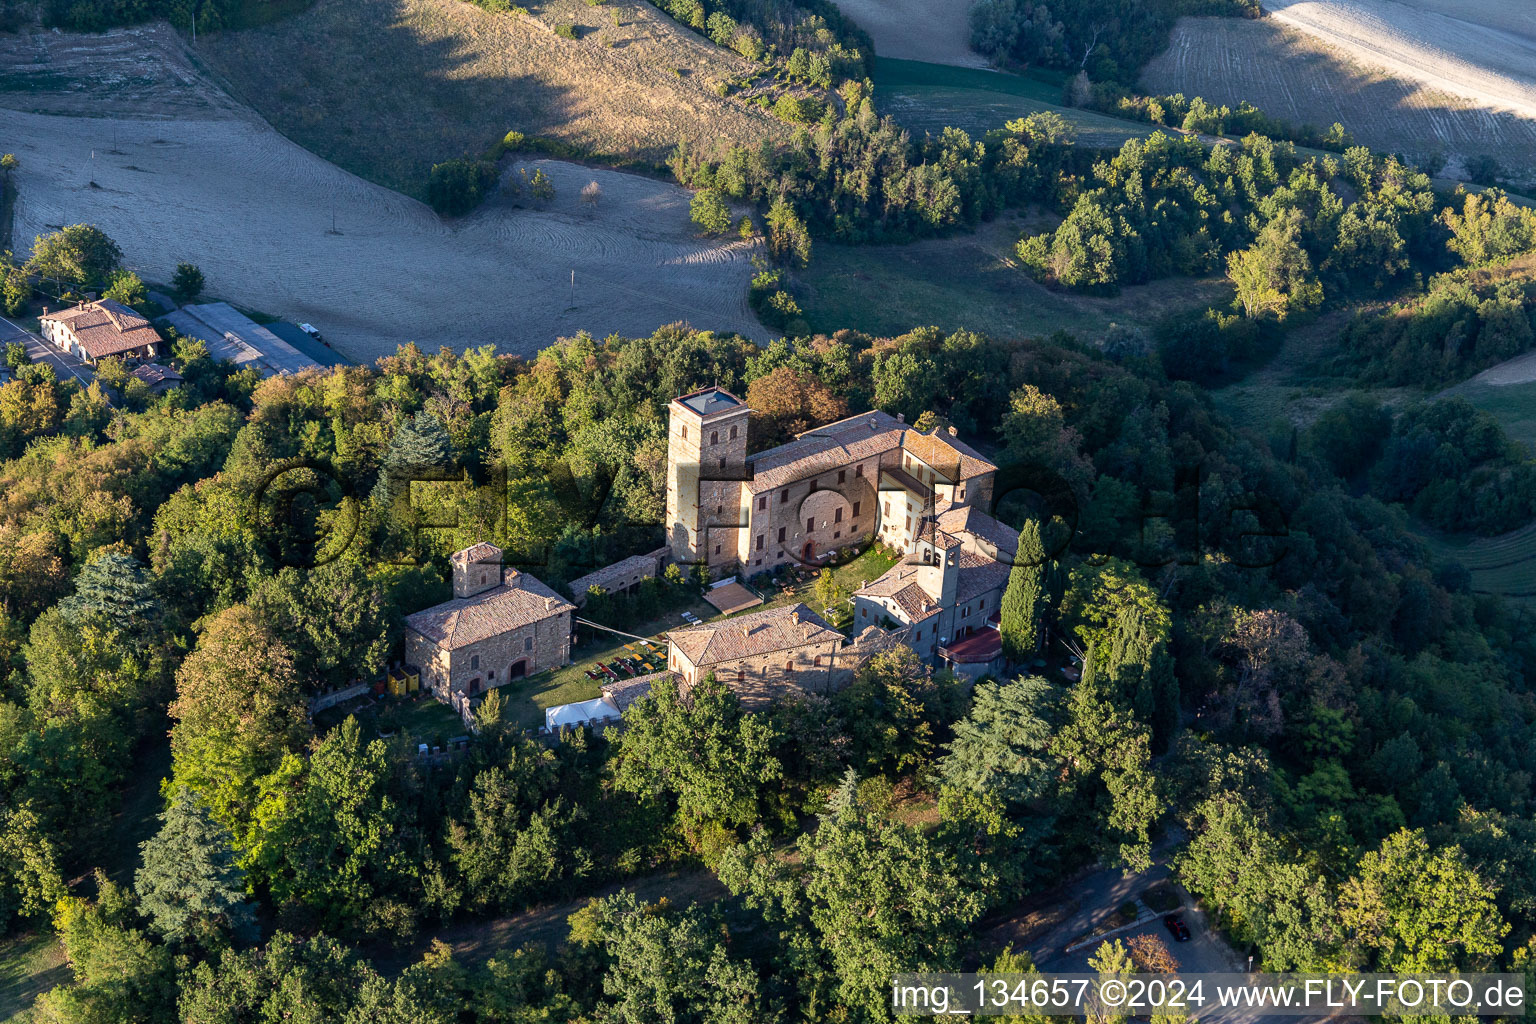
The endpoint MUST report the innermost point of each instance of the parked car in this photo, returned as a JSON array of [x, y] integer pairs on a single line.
[[311, 330], [1176, 925]]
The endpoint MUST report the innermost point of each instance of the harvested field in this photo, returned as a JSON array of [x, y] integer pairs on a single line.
[[386, 88], [937, 31], [1484, 50], [926, 97], [256, 213], [1306, 79]]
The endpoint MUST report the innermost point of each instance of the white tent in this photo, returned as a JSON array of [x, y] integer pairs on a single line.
[[581, 713]]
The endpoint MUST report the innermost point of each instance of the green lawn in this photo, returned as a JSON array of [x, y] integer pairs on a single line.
[[973, 281], [528, 698], [850, 577], [30, 965]]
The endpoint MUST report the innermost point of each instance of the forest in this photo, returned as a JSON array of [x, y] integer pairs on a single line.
[[1341, 728]]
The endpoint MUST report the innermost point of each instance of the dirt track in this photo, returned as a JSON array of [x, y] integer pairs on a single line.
[[217, 186]]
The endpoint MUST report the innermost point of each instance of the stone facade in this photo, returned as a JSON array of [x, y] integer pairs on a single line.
[[833, 488], [763, 655], [501, 625]]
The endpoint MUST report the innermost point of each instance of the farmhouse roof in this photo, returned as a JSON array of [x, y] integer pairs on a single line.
[[153, 374], [106, 327], [751, 635], [520, 601]]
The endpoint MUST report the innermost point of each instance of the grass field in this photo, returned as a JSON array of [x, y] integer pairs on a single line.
[[930, 97], [386, 88], [30, 964], [1499, 565], [973, 281], [1513, 405]]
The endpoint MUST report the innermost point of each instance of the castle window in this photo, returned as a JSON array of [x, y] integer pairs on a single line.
[[813, 485], [759, 542], [842, 475], [909, 522], [741, 673], [733, 433], [982, 603], [789, 666], [781, 533], [856, 509], [722, 463], [858, 470], [719, 510], [962, 494], [784, 496], [492, 673], [837, 515], [887, 508], [836, 534], [818, 661], [527, 643], [717, 549], [810, 524], [474, 661], [758, 562], [484, 576], [685, 431], [762, 503], [919, 635], [714, 437]]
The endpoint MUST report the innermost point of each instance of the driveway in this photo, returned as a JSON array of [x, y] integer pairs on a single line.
[[1099, 895], [64, 365]]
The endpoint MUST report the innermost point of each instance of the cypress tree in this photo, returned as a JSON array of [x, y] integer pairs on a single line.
[[1019, 619]]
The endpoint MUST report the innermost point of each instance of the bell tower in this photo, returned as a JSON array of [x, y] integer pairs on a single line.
[[706, 462]]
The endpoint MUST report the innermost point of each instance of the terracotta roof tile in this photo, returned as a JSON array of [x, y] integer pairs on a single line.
[[106, 327], [520, 601], [751, 635]]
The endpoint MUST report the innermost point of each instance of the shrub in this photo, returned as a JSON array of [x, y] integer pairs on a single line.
[[458, 186], [565, 30], [709, 212]]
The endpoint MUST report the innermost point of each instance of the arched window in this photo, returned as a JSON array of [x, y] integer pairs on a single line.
[[714, 437], [733, 433], [817, 662], [528, 643], [474, 661]]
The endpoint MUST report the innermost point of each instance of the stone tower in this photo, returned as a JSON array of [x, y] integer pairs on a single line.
[[476, 569], [706, 465]]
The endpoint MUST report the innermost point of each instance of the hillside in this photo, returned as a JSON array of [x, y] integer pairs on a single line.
[[386, 88], [1448, 109]]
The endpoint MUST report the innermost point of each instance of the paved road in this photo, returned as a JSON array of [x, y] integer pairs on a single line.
[[39, 351]]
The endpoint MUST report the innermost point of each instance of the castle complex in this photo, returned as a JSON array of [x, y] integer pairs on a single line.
[[870, 477]]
